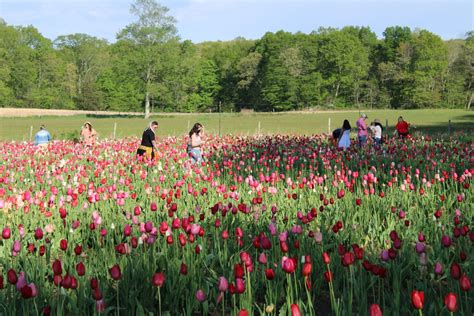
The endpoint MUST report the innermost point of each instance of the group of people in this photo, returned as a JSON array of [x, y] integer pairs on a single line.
[[148, 146], [88, 135], [342, 135]]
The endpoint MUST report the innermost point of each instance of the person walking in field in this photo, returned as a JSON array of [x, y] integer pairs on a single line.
[[148, 145], [345, 138], [402, 128], [195, 142], [88, 134], [362, 130], [43, 137]]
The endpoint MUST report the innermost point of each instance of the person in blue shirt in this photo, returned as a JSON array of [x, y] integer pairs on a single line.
[[42, 137]]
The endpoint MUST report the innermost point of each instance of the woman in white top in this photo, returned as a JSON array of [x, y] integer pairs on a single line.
[[195, 142], [345, 140]]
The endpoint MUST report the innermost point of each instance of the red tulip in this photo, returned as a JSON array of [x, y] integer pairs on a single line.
[[269, 274], [238, 270], [38, 234], [417, 299], [374, 310], [307, 267], [78, 250], [12, 277], [80, 269], [450, 302], [47, 310], [26, 292], [455, 271], [97, 294], [239, 285], [326, 258], [57, 267], [288, 265], [243, 312], [328, 276], [183, 269], [295, 310], [348, 259], [66, 282], [94, 283], [115, 272], [2, 285], [63, 244], [465, 283], [6, 233], [158, 279]]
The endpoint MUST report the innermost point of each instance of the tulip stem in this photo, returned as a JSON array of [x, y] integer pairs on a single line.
[[223, 304], [118, 300], [159, 301], [420, 312]]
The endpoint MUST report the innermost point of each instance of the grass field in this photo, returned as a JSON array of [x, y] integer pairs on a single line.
[[426, 121]]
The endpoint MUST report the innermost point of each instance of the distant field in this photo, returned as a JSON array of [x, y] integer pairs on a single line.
[[427, 121]]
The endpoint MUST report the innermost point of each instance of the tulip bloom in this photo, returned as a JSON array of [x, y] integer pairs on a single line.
[[57, 267], [115, 272], [465, 283], [223, 284], [307, 267], [328, 276], [6, 233], [80, 269], [450, 302], [158, 279], [455, 271], [374, 310], [417, 299], [269, 274], [326, 258], [295, 310], [288, 265], [200, 295]]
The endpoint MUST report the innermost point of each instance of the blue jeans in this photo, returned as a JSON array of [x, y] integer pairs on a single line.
[[378, 141], [196, 155], [362, 140]]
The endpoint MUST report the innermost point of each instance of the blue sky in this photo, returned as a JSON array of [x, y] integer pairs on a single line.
[[202, 20]]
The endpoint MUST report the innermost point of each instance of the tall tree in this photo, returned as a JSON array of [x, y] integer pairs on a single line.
[[152, 30]]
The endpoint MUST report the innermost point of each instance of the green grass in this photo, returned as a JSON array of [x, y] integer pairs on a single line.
[[427, 121]]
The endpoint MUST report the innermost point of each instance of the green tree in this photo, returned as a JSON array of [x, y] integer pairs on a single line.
[[86, 58], [149, 34]]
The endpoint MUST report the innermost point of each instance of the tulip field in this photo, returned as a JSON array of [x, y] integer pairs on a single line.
[[266, 225]]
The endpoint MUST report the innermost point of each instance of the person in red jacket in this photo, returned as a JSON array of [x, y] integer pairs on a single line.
[[402, 128]]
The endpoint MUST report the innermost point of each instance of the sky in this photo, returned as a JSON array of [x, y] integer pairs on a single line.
[[211, 20]]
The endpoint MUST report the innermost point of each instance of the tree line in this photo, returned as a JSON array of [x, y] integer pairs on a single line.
[[149, 67]]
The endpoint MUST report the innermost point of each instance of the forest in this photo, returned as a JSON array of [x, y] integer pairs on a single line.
[[149, 67]]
